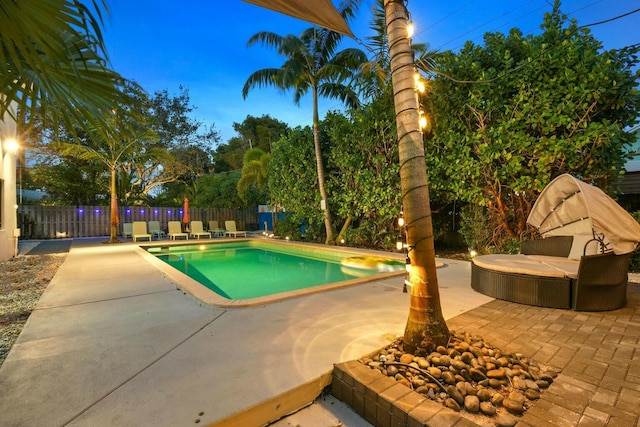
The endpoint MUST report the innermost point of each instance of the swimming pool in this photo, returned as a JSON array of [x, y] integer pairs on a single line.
[[255, 271]]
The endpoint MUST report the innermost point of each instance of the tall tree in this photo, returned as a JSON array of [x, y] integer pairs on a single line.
[[189, 146], [253, 132], [313, 63], [260, 132], [426, 327], [114, 149]]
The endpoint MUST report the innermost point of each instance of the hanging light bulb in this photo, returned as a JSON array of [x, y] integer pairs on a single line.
[[410, 29], [419, 83], [401, 220], [423, 120]]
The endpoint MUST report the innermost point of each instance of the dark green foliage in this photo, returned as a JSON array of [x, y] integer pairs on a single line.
[[361, 158], [533, 107], [221, 191], [72, 182], [363, 172], [253, 132], [292, 178]]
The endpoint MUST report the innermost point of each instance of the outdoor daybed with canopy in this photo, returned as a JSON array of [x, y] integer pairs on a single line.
[[580, 262]]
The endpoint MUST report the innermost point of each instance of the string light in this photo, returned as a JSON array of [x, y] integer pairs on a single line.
[[419, 83], [423, 121], [410, 29], [401, 220]]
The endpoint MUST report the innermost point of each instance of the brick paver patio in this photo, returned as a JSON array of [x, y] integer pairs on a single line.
[[598, 353]]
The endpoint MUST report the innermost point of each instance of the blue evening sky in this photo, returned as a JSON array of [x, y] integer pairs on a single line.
[[201, 44]]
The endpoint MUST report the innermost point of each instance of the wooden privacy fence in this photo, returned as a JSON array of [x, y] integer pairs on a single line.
[[50, 222]]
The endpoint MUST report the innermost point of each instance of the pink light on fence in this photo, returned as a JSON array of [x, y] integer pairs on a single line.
[[80, 211]]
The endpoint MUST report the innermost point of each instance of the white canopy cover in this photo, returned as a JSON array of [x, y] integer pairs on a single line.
[[569, 207], [318, 12]]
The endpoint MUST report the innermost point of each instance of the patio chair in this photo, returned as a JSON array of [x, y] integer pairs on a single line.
[[197, 230], [232, 230], [140, 231], [602, 282], [215, 229], [175, 230], [127, 229], [155, 230]]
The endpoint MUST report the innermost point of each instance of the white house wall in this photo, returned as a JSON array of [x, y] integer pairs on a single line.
[[8, 175]]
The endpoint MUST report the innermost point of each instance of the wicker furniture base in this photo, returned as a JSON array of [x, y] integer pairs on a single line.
[[524, 289]]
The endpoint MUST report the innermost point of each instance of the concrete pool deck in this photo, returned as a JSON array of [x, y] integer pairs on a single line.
[[113, 341]]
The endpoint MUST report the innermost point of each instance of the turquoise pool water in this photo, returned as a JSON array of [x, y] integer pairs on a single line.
[[251, 269]]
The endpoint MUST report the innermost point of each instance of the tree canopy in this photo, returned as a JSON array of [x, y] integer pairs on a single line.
[[150, 145], [509, 116]]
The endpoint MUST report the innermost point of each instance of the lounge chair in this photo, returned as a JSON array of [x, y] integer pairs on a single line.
[[140, 231], [215, 230], [155, 230], [175, 230], [232, 230], [127, 229], [197, 230], [580, 261]]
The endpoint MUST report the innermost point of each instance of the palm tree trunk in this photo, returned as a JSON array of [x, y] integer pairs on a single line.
[[426, 327], [320, 168], [343, 231], [113, 235]]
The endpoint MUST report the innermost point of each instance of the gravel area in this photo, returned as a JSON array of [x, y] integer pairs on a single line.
[[22, 280], [470, 376]]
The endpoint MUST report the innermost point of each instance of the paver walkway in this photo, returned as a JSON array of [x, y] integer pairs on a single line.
[[599, 354]]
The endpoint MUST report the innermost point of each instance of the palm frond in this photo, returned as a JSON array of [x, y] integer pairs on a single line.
[[266, 38], [53, 62], [264, 78], [339, 91]]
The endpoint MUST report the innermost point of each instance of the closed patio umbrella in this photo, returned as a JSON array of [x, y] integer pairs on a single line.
[[185, 214]]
